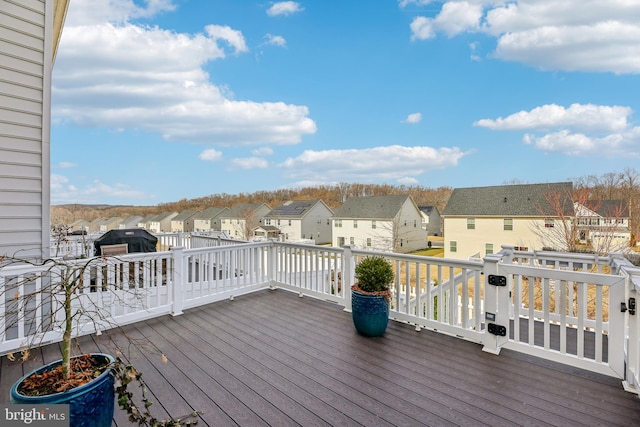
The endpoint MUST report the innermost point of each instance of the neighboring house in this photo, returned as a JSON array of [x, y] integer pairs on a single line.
[[161, 223], [183, 221], [242, 219], [604, 224], [80, 225], [209, 219], [264, 232], [112, 223], [29, 34], [146, 221], [302, 219], [385, 223], [98, 225], [479, 220], [129, 222], [431, 220]]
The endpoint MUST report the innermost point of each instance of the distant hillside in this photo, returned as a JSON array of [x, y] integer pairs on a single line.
[[333, 196]]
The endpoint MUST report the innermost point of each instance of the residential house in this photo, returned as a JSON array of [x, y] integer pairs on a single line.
[[129, 222], [183, 221], [146, 221], [431, 220], [479, 220], [385, 223], [29, 34], [209, 219], [604, 224], [98, 225], [300, 220], [161, 223], [80, 225], [265, 232], [242, 219], [112, 223]]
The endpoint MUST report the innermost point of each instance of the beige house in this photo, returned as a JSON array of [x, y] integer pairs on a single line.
[[243, 219], [479, 220], [384, 223], [29, 34], [299, 220], [183, 222], [161, 223], [209, 219]]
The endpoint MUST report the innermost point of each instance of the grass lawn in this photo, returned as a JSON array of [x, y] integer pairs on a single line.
[[436, 252]]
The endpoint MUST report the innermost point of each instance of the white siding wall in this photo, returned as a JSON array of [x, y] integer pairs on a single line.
[[25, 85]]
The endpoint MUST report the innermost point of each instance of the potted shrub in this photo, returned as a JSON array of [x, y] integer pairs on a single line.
[[88, 383], [370, 296]]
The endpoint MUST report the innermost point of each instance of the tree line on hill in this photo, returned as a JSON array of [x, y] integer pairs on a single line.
[[623, 185]]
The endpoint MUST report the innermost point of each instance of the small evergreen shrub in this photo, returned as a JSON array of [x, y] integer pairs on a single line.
[[374, 274]]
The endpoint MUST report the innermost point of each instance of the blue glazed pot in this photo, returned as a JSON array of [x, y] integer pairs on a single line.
[[370, 313], [90, 405]]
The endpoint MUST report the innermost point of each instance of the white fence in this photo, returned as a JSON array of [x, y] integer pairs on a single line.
[[574, 309]]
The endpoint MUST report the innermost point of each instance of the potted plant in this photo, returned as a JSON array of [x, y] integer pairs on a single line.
[[57, 290], [370, 296]]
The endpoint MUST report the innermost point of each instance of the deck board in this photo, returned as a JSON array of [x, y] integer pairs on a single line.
[[273, 358]]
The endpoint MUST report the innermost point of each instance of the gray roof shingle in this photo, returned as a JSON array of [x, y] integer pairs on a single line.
[[373, 207], [510, 200]]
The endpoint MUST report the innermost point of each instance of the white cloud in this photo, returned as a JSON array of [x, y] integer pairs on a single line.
[[262, 151], [65, 165], [95, 192], [454, 18], [582, 117], [250, 163], [579, 130], [571, 35], [370, 164], [272, 40], [405, 3], [284, 8], [413, 118], [210, 155], [126, 76], [99, 11]]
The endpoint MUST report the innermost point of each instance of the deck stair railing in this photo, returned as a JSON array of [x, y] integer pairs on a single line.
[[576, 309]]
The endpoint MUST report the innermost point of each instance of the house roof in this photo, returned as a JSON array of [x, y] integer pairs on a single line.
[[293, 209], [237, 211], [373, 207], [210, 213], [510, 200], [427, 209], [163, 216], [182, 216], [608, 208]]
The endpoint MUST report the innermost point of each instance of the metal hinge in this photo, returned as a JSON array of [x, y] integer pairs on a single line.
[[499, 330], [497, 280]]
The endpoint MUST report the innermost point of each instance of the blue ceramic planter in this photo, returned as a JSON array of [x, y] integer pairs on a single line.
[[370, 313], [90, 405]]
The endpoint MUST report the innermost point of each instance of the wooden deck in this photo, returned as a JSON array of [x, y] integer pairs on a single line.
[[273, 358]]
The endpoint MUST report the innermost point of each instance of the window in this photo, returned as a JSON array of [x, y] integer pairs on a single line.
[[351, 240], [289, 222], [453, 246], [368, 242], [267, 221], [415, 223], [340, 241], [471, 223], [355, 223], [373, 224], [278, 222], [488, 248], [507, 224], [338, 223], [405, 222], [328, 221], [549, 222]]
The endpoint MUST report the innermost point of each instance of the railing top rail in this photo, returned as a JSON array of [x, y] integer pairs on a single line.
[[446, 262]]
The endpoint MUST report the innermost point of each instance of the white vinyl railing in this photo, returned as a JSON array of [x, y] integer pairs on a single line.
[[574, 309]]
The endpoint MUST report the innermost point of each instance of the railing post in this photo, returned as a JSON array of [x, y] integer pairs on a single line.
[[348, 267], [272, 262], [496, 306], [632, 373], [179, 275]]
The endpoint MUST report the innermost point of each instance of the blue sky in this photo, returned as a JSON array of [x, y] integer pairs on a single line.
[[159, 100]]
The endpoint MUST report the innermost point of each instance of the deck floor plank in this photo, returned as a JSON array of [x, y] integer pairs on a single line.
[[272, 358]]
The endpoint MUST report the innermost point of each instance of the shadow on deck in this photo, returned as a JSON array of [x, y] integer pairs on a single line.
[[272, 358]]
